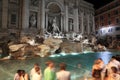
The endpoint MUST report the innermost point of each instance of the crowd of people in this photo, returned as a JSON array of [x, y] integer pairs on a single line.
[[110, 71], [49, 73], [100, 71]]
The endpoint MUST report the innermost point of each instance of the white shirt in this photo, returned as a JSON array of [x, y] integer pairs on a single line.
[[36, 76], [32, 72], [114, 63], [63, 75], [16, 77]]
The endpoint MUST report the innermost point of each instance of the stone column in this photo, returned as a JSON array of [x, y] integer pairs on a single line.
[[66, 18], [39, 16], [82, 20], [43, 14], [62, 21], [93, 20], [25, 14], [4, 13], [0, 13], [46, 17], [76, 20], [88, 25]]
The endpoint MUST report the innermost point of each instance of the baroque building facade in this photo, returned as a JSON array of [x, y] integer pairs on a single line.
[[21, 17], [108, 20], [108, 15]]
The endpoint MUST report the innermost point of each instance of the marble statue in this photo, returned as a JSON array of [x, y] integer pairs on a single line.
[[33, 20], [55, 27]]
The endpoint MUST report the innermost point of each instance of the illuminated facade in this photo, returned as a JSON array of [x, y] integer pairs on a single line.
[[108, 15], [21, 17], [108, 20]]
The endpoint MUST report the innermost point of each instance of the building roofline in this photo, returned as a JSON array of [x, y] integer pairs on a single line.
[[106, 5]]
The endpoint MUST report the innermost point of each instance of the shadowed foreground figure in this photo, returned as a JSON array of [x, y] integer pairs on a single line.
[[63, 74]]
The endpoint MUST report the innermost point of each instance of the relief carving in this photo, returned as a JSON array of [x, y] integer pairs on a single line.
[[34, 3]]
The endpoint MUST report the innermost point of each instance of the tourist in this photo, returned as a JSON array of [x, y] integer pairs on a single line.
[[33, 71], [107, 70], [17, 75], [49, 72], [113, 62], [97, 69], [37, 75], [24, 75], [114, 74], [63, 74]]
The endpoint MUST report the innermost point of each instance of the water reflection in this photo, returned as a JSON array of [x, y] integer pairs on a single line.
[[79, 65]]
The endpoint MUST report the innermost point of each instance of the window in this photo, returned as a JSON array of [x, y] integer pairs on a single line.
[[96, 32], [101, 17], [118, 37], [108, 14], [117, 20], [13, 19], [116, 4], [117, 28], [116, 12], [109, 22], [71, 28], [102, 24]]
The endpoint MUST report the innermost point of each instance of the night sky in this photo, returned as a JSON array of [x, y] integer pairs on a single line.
[[98, 3]]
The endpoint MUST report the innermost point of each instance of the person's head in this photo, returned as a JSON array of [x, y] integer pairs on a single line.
[[112, 59], [37, 69], [100, 59], [50, 63], [97, 62], [19, 72], [114, 69], [36, 65], [62, 66], [22, 72]]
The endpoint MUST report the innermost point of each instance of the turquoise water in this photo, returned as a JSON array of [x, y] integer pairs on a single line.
[[79, 64]]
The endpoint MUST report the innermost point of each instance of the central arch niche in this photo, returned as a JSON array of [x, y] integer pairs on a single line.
[[53, 13], [54, 8]]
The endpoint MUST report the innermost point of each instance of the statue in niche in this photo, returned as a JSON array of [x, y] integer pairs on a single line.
[[33, 20], [55, 27]]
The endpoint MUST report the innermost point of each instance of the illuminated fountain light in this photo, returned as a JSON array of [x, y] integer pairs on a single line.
[[58, 55], [85, 52], [63, 54], [55, 55], [74, 53]]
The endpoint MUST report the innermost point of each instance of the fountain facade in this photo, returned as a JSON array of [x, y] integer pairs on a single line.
[[30, 17]]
